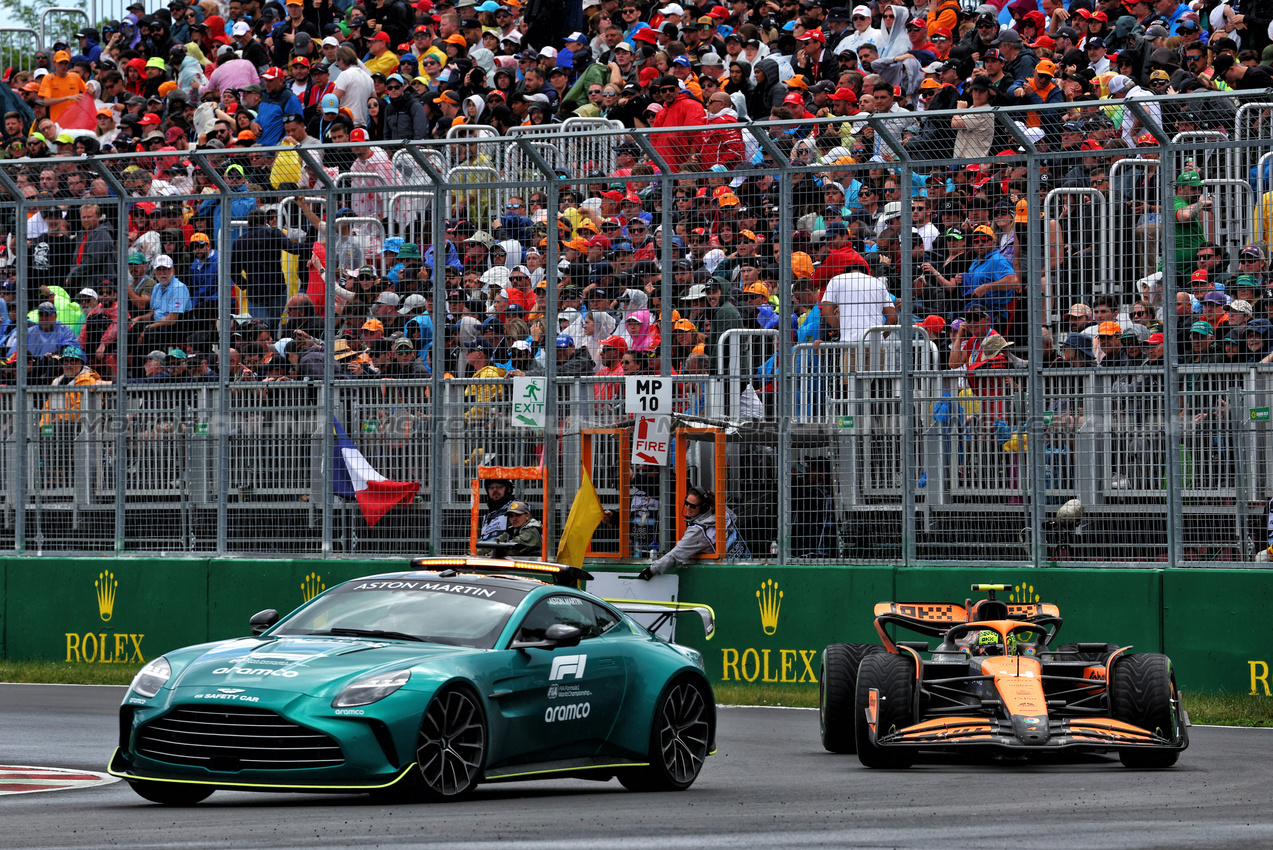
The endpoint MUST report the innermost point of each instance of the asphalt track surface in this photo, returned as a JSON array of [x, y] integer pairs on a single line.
[[770, 785]]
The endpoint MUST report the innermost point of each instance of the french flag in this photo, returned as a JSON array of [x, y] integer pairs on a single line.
[[354, 478]]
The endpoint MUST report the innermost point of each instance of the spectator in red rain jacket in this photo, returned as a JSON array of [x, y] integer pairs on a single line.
[[724, 144], [840, 256], [680, 109]]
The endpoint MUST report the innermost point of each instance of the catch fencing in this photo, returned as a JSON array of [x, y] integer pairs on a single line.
[[872, 447]]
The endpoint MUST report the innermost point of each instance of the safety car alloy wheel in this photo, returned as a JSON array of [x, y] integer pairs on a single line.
[[452, 748], [678, 741]]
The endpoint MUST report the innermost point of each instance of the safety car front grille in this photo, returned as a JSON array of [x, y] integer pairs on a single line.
[[232, 739]]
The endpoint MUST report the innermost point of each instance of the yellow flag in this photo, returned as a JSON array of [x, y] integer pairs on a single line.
[[585, 516]]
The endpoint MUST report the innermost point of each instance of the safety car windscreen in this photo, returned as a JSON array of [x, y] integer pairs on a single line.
[[456, 613]]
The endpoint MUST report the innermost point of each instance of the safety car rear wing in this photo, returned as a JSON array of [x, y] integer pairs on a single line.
[[666, 611]]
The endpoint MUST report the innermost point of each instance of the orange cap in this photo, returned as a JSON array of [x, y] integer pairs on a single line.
[[1109, 329], [801, 264]]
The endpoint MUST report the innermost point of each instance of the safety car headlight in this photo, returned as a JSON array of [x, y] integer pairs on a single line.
[[151, 678], [371, 688]]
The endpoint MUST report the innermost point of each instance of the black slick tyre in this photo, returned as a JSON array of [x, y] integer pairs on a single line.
[[679, 738], [171, 793], [837, 694], [894, 678], [1143, 693]]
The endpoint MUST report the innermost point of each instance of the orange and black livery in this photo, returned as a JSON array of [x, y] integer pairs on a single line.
[[995, 682]]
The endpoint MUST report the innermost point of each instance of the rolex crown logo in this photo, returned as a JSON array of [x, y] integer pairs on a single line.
[[1023, 593], [312, 586], [106, 586], [770, 600]]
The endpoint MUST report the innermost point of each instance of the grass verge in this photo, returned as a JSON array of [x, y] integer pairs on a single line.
[[60, 673], [1205, 709]]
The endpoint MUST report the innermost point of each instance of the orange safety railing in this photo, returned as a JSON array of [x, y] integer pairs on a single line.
[[718, 485], [625, 474], [512, 473]]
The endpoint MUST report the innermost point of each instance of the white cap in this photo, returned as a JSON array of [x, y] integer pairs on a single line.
[[861, 10], [548, 52], [163, 261], [331, 41], [588, 4], [40, 72], [91, 293], [1119, 83], [415, 301], [390, 298], [625, 45], [578, 37], [241, 28], [672, 9], [711, 60], [515, 37]]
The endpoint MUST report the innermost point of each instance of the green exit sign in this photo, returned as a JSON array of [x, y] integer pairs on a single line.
[[1259, 414], [846, 421]]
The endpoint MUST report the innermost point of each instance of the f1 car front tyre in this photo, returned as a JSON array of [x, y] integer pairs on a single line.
[[1143, 693], [678, 740], [894, 678], [171, 793], [837, 693]]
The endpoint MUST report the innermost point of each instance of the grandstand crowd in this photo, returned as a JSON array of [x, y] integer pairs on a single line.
[[234, 79]]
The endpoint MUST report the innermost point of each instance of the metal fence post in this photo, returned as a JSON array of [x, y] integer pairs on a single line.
[[1175, 433], [1036, 232], [782, 351], [21, 425]]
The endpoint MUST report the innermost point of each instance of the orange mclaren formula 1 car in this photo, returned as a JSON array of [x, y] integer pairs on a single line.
[[995, 683]]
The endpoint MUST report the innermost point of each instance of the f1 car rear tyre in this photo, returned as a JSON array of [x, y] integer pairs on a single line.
[[894, 677], [837, 693], [1143, 693], [171, 793], [678, 740], [451, 753]]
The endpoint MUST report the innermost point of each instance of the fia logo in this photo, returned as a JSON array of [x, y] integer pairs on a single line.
[[770, 601], [106, 586], [312, 586], [566, 665], [1023, 593]]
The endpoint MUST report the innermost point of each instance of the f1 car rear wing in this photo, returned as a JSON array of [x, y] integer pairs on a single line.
[[559, 574], [943, 615], [937, 618], [666, 611]]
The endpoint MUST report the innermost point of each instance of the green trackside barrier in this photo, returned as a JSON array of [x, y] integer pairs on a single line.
[[773, 622], [1216, 627], [103, 610], [4, 595], [239, 587]]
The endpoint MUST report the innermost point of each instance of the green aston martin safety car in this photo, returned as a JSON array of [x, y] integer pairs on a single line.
[[421, 685]]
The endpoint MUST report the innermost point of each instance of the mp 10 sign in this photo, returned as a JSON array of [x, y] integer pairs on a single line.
[[647, 396]]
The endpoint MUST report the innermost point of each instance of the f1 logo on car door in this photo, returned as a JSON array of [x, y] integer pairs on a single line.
[[565, 666], [568, 698]]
